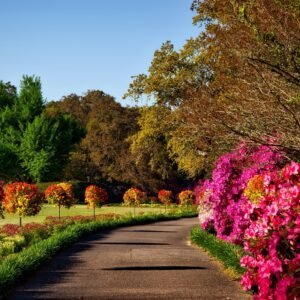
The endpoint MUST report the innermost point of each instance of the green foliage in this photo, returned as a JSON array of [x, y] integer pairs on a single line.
[[45, 145], [30, 102], [32, 144]]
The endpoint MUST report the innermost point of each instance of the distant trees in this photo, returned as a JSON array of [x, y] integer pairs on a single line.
[[32, 145]]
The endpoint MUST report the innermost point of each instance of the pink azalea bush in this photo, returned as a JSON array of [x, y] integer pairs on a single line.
[[223, 194], [252, 201], [273, 237]]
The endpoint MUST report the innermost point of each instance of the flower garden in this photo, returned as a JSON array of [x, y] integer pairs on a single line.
[[253, 200]]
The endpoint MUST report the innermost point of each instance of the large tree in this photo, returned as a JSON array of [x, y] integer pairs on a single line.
[[238, 79]]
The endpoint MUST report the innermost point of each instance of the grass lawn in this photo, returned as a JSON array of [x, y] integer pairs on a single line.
[[79, 209]]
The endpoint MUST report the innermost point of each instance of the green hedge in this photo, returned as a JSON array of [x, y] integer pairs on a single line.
[[16, 266]]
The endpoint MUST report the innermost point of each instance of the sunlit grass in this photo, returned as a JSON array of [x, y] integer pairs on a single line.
[[80, 209]]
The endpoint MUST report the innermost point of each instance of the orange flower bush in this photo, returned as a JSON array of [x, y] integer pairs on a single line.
[[186, 197], [22, 198], [134, 197], [165, 197]]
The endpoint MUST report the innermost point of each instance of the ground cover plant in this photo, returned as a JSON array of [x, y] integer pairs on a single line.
[[227, 253]]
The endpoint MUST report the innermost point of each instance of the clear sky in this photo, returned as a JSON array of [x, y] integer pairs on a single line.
[[76, 45]]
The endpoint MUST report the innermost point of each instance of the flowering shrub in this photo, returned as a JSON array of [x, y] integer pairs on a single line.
[[134, 197], [57, 194], [22, 198], [273, 237], [165, 197], [186, 197], [224, 192]]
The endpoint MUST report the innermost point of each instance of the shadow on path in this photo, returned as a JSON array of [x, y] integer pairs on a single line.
[[154, 268]]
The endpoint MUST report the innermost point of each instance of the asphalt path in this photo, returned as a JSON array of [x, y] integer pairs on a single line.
[[151, 261]]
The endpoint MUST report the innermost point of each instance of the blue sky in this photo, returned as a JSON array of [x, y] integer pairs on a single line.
[[76, 45]]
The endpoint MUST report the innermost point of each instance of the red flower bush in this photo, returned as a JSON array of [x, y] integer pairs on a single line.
[[273, 237], [94, 196], [165, 197], [186, 197], [134, 197], [22, 198]]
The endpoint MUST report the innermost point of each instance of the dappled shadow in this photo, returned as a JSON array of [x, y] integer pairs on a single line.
[[154, 268]]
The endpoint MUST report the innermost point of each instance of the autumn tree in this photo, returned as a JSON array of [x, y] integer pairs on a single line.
[[239, 78], [61, 195], [22, 198], [95, 196]]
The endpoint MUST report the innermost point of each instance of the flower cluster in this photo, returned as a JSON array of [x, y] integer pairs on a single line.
[[186, 197], [224, 192], [22, 198], [273, 237], [165, 197], [134, 196], [60, 195], [95, 195]]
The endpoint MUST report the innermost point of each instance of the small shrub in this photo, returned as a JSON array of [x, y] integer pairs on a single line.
[[166, 197], [186, 198], [134, 197]]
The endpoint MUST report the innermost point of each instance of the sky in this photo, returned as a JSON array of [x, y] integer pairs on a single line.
[[80, 45]]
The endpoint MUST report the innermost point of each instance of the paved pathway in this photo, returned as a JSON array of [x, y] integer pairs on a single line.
[[140, 262]]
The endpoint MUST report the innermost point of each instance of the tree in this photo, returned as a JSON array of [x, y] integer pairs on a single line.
[[186, 198], [239, 78], [95, 196], [134, 197], [22, 198], [166, 197], [45, 146], [60, 195]]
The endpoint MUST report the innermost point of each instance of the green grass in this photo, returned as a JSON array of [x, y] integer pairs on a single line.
[[228, 254], [14, 267], [80, 209]]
